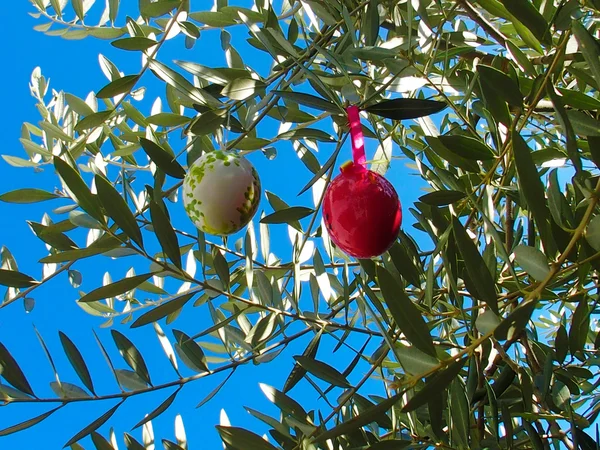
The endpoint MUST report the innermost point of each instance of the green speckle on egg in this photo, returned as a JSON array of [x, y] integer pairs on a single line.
[[221, 197]]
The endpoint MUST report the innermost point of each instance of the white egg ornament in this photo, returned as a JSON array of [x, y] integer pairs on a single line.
[[221, 192]]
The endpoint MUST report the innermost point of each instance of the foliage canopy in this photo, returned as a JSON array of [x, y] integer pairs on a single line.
[[478, 321]]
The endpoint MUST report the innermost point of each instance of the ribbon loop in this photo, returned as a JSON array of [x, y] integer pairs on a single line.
[[358, 141]]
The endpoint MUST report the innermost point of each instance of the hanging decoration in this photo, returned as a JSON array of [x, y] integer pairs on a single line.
[[361, 208], [221, 192]]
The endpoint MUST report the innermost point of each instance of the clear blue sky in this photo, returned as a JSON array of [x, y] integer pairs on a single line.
[[72, 66]]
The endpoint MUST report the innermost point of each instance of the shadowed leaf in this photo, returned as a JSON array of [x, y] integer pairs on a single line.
[[163, 159], [28, 423], [11, 371], [114, 289], [118, 210], [162, 310], [405, 313], [405, 108], [131, 355], [435, 384]]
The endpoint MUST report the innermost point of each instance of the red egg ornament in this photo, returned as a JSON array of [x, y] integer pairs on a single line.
[[361, 209]]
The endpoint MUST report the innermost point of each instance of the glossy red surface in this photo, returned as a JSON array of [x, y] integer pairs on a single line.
[[362, 212]]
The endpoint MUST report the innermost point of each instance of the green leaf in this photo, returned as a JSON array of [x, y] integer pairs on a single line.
[[216, 19], [100, 443], [242, 88], [476, 268], [106, 32], [405, 108], [533, 190], [533, 261], [52, 236], [565, 123], [323, 371], [530, 17], [583, 124], [459, 413], [442, 198], [521, 59], [214, 392], [12, 278], [405, 264], [131, 355], [163, 310], [435, 384], [503, 85], [221, 267], [158, 410], [94, 425], [592, 233], [414, 361], [174, 79], [55, 131], [190, 352], [93, 120], [586, 442], [467, 147], [118, 86], [207, 123], [99, 246], [578, 100], [78, 8], [77, 361], [453, 158], [240, 439], [134, 43], [391, 444], [165, 233], [11, 371], [309, 100], [168, 120], [561, 344], [589, 47], [298, 371], [251, 143], [131, 443], [130, 380], [306, 133], [68, 390], [370, 23], [580, 326], [487, 322], [373, 54], [78, 189], [27, 196], [405, 313], [117, 209], [28, 423], [168, 445], [516, 321], [163, 159], [286, 404], [288, 215], [114, 289], [534, 437], [368, 416], [159, 8], [18, 162]]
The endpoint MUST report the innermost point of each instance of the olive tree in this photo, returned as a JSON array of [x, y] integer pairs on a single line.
[[474, 330]]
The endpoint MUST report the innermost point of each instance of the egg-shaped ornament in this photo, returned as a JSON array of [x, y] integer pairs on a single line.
[[361, 209], [221, 192]]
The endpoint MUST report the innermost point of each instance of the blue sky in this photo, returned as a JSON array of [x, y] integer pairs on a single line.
[[73, 66]]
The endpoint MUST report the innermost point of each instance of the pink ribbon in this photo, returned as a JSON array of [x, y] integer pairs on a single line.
[[358, 141]]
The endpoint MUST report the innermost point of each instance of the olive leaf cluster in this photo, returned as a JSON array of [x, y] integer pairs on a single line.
[[478, 324]]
